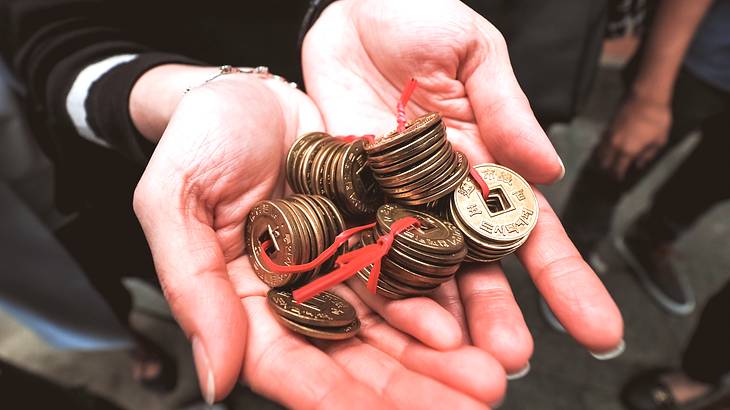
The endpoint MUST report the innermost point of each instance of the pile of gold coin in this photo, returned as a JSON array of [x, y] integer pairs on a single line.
[[319, 164], [420, 259], [495, 227], [413, 168], [300, 228], [325, 316], [418, 165]]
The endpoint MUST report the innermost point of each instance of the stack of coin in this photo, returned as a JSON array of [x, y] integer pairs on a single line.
[[319, 164], [495, 227], [418, 165], [325, 316], [300, 228], [420, 259]]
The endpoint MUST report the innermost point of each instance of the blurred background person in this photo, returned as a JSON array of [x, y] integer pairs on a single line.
[[669, 97], [46, 44], [681, 85]]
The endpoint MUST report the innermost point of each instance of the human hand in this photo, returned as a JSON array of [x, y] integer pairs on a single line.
[[222, 151], [639, 130], [358, 57]]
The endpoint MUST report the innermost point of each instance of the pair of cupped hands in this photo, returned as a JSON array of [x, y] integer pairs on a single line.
[[222, 148]]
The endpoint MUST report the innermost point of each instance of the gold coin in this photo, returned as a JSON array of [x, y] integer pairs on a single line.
[[313, 214], [355, 183], [267, 221], [414, 173], [435, 259], [308, 222], [433, 177], [318, 173], [433, 236], [331, 171], [483, 250], [400, 278], [392, 285], [296, 149], [420, 266], [517, 210], [412, 130], [304, 239], [445, 188], [329, 226], [382, 289], [421, 155], [337, 223], [324, 310], [324, 333], [304, 164], [434, 136]]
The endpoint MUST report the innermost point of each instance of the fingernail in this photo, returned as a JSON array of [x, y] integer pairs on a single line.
[[562, 166], [611, 354], [520, 373], [205, 372]]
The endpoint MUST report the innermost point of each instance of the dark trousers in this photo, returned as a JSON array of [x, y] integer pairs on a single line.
[[707, 356], [698, 184], [109, 245]]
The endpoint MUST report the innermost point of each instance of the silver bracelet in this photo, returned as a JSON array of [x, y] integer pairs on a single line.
[[260, 71]]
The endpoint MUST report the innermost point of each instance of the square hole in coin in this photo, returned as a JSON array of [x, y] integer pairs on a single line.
[[426, 225], [268, 235], [497, 201], [366, 178]]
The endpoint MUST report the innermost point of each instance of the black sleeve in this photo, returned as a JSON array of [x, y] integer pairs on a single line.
[[47, 43], [316, 7]]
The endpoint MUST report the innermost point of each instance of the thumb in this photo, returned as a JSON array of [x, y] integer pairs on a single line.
[[506, 121], [192, 271]]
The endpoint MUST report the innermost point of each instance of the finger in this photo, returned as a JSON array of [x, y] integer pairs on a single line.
[[495, 321], [435, 326], [570, 287], [607, 154], [193, 275], [466, 369], [646, 156], [288, 369], [506, 121], [447, 295], [474, 147], [403, 387], [622, 164]]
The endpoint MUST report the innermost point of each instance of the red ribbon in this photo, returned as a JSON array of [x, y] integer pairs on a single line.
[[369, 138], [401, 107], [340, 240], [480, 181], [352, 262], [347, 264]]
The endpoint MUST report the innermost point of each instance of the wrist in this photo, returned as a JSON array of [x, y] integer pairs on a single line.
[[156, 94], [649, 94]]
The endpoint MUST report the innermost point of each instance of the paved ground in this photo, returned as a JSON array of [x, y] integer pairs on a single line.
[[563, 374]]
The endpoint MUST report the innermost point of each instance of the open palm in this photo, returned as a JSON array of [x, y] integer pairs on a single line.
[[222, 152], [356, 60]]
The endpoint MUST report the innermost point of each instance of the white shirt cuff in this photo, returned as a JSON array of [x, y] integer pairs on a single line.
[[76, 99]]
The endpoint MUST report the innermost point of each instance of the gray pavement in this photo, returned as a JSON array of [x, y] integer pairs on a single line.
[[563, 375]]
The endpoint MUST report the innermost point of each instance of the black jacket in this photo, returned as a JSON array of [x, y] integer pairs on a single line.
[[554, 47]]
